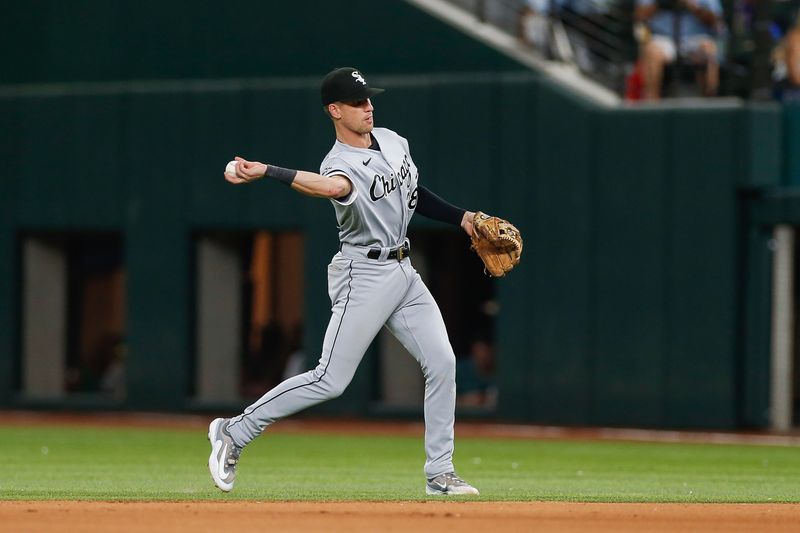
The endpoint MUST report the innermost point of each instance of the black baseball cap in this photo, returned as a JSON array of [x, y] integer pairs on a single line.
[[346, 84]]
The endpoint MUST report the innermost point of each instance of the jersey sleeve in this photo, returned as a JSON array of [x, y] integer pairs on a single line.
[[431, 206], [337, 167]]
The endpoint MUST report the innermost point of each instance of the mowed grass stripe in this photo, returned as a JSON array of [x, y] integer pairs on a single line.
[[86, 463]]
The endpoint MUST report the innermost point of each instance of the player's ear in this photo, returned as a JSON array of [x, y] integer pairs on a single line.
[[334, 111]]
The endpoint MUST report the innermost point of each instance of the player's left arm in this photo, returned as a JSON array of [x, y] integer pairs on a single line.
[[431, 206], [308, 183]]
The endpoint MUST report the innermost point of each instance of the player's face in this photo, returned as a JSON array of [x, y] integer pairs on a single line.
[[357, 116]]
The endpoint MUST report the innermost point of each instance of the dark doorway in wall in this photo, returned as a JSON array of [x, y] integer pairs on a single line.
[[73, 314], [96, 314], [249, 312]]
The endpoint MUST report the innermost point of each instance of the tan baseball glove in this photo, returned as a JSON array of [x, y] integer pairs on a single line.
[[497, 242]]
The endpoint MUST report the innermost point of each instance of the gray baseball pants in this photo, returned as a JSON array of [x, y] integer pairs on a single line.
[[366, 295]]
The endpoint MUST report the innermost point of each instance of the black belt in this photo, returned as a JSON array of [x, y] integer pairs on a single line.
[[398, 253]]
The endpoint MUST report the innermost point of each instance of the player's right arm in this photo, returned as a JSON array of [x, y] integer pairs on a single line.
[[312, 184], [308, 183]]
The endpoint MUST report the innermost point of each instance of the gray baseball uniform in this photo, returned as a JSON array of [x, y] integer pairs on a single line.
[[372, 285]]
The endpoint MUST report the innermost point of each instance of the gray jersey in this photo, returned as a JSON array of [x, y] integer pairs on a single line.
[[384, 195]]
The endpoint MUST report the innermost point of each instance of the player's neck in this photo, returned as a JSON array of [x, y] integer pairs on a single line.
[[352, 138]]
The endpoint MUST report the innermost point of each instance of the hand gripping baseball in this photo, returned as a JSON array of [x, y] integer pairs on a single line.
[[241, 170], [497, 242]]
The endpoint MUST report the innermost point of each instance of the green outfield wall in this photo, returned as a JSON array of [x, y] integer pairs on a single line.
[[627, 309]]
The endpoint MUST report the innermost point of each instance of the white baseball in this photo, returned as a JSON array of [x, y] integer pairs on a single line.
[[230, 168]]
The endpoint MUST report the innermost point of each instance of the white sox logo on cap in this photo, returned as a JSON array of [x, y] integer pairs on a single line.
[[359, 78], [346, 84]]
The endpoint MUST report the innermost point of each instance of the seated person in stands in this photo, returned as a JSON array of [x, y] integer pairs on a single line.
[[532, 27], [475, 376], [692, 24], [786, 63]]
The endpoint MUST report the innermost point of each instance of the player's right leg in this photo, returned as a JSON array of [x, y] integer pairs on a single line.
[[419, 326]]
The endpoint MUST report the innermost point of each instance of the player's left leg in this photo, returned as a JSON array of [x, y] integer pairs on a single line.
[[418, 325], [363, 295]]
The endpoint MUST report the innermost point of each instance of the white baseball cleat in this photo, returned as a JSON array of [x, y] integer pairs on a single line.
[[224, 454], [449, 483]]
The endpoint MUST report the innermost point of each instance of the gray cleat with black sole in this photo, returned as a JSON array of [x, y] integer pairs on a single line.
[[449, 483]]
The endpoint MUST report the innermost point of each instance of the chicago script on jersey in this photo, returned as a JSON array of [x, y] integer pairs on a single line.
[[382, 187]]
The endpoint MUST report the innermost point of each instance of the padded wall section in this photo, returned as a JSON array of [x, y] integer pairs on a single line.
[[560, 240], [95, 40], [157, 249], [632, 221], [10, 121], [791, 145], [700, 374]]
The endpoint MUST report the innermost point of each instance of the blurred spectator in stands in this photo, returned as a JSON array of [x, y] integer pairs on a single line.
[[786, 60], [691, 24], [592, 26], [475, 376], [634, 83], [534, 28]]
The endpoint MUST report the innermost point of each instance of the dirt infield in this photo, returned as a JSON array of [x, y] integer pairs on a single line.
[[354, 517]]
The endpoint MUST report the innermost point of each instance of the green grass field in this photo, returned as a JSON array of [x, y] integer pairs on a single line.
[[88, 463]]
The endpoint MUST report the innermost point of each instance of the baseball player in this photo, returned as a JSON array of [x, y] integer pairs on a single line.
[[372, 181]]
